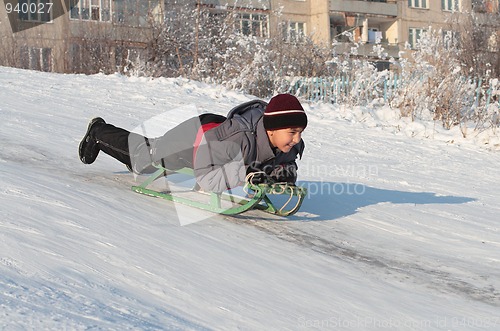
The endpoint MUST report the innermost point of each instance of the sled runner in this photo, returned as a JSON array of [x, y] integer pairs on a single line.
[[227, 203]]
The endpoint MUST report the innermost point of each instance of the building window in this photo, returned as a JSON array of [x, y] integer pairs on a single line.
[[252, 24], [294, 31], [135, 12], [414, 36], [382, 65], [450, 5], [451, 39], [35, 10], [36, 58], [90, 10], [417, 3], [374, 36]]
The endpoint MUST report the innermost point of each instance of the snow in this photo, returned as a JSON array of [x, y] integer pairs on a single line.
[[400, 229]]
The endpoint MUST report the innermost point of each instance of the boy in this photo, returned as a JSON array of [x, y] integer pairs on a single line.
[[255, 137]]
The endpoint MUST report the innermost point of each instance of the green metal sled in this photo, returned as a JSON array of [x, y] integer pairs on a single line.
[[258, 199]]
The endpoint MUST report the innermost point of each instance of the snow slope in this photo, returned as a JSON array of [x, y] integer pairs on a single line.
[[397, 233]]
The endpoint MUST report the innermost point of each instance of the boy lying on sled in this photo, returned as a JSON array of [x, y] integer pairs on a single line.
[[255, 138]]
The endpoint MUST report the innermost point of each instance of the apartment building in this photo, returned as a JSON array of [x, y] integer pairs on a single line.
[[76, 29], [59, 39]]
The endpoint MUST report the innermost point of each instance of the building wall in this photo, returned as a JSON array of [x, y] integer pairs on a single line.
[[65, 44], [394, 19], [7, 54], [66, 37], [434, 15], [320, 21], [286, 11]]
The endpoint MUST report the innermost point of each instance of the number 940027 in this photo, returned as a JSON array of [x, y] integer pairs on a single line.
[[29, 8]]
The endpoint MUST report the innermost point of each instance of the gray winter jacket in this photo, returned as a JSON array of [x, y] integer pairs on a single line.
[[238, 146]]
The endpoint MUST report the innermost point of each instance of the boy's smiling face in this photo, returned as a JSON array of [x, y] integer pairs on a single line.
[[285, 139]]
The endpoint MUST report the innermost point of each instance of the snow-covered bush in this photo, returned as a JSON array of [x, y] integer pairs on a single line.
[[436, 80]]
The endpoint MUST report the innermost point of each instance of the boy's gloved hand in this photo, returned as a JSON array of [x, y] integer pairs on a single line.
[[284, 173]]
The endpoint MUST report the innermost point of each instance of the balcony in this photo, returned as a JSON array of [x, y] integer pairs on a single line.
[[365, 7], [366, 50], [252, 4]]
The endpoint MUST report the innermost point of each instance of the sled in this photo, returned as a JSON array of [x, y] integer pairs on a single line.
[[227, 203]]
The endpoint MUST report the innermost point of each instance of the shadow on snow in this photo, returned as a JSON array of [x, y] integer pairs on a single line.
[[332, 200]]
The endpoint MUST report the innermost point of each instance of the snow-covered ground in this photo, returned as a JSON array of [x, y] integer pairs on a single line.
[[400, 230]]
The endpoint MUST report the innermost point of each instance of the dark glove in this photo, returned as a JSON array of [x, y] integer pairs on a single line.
[[284, 173]]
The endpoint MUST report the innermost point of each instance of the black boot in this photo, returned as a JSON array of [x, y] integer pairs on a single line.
[[89, 149]]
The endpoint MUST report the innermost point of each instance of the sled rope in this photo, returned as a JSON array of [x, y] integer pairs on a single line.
[[282, 185], [249, 180]]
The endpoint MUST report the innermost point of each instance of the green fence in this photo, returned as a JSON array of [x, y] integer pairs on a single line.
[[342, 88]]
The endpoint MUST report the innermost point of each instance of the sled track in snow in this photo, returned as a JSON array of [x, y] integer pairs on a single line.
[[435, 279]]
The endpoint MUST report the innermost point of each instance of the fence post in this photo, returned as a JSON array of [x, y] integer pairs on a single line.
[[385, 89], [478, 91], [488, 97]]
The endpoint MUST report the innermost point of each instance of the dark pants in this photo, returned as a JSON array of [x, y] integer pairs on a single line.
[[173, 150]]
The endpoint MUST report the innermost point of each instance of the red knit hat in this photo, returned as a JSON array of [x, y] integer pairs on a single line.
[[284, 111]]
